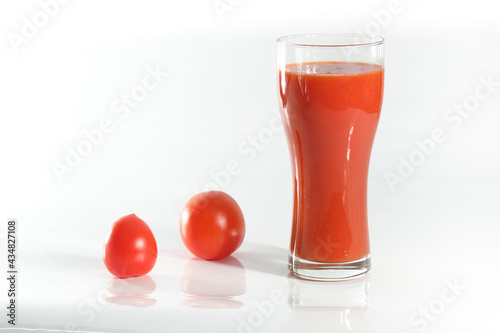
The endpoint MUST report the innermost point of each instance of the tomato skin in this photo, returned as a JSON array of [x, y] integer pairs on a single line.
[[212, 225], [130, 248]]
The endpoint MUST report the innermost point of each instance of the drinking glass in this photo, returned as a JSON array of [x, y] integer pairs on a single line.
[[330, 93]]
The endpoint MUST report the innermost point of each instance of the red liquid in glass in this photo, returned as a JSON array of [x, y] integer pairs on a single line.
[[330, 112]]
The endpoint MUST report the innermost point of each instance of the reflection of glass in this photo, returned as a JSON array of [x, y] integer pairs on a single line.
[[213, 284], [351, 293], [330, 93], [132, 292], [341, 304]]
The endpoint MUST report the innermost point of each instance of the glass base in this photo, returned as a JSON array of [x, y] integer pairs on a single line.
[[327, 271]]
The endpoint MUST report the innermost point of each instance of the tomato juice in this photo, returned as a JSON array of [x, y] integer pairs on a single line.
[[330, 112]]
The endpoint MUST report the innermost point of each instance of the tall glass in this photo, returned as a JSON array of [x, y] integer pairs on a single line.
[[330, 93]]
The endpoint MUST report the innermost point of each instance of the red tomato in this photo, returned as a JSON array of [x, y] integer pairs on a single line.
[[212, 225], [130, 249]]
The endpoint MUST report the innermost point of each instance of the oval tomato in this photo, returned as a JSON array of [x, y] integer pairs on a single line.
[[130, 249], [212, 225]]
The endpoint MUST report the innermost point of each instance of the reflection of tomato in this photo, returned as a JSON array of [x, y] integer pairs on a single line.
[[221, 279], [130, 249], [137, 286], [212, 225]]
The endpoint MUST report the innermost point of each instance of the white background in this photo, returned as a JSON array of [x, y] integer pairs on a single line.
[[437, 225]]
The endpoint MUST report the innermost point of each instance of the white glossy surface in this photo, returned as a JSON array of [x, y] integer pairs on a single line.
[[437, 229]]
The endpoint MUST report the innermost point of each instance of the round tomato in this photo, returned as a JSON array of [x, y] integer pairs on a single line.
[[212, 225], [130, 249]]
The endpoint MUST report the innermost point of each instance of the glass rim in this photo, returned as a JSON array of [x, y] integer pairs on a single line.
[[369, 40]]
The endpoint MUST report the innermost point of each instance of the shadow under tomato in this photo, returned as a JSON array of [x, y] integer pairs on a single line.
[[213, 284], [132, 291], [264, 258]]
